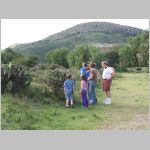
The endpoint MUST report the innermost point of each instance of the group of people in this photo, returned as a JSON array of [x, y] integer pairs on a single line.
[[89, 77]]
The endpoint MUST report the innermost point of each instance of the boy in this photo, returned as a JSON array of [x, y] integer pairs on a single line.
[[68, 90]]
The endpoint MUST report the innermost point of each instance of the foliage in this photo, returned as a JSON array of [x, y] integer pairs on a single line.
[[30, 61], [14, 79], [84, 53], [136, 52], [113, 58], [58, 56], [55, 81], [10, 56]]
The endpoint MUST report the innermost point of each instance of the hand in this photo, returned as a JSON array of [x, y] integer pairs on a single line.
[[109, 78], [80, 94]]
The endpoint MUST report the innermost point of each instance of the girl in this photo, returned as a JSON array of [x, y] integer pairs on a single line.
[[83, 91]]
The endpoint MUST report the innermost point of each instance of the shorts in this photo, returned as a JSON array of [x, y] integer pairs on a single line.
[[107, 84], [69, 96]]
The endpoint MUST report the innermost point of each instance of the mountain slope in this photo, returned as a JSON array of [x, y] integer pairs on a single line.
[[94, 33]]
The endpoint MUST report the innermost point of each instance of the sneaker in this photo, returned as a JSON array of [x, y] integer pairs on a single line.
[[108, 101], [90, 102], [66, 106]]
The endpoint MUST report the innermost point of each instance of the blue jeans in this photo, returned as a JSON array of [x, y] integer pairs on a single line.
[[91, 91]]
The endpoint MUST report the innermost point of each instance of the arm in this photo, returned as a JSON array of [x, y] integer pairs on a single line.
[[81, 87], [91, 76], [112, 75], [74, 86], [64, 88]]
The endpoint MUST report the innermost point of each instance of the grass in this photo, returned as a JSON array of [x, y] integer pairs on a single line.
[[129, 110]]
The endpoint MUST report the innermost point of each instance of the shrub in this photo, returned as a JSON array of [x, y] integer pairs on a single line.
[[58, 56], [14, 79], [56, 80], [55, 66]]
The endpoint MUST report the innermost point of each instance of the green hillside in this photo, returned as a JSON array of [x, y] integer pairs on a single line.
[[93, 33]]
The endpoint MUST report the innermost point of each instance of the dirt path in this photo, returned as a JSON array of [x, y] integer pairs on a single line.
[[140, 122]]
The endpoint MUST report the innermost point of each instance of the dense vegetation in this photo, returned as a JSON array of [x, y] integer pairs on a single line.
[[87, 33]]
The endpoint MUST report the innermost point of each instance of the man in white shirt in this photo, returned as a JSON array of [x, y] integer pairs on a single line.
[[108, 73]]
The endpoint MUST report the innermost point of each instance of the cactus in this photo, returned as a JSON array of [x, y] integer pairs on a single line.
[[14, 79]]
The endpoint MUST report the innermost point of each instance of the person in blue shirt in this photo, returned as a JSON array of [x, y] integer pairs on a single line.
[[83, 69], [68, 90]]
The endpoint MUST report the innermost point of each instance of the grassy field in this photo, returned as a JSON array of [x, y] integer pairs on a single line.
[[129, 109]]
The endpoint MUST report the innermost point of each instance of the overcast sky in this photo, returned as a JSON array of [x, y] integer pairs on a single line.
[[29, 30]]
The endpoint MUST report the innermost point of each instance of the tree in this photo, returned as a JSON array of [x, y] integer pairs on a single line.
[[96, 56], [113, 58], [71, 59], [84, 53], [58, 56], [125, 57], [30, 61], [8, 55]]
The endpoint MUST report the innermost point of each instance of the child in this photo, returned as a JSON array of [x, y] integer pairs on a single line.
[[68, 90], [83, 91]]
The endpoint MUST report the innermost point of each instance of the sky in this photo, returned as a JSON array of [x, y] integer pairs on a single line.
[[29, 30]]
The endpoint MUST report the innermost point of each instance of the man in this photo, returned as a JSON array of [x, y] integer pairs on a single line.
[[92, 80], [107, 76]]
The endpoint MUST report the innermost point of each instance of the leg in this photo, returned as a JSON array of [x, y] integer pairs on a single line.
[[108, 97], [93, 93], [67, 103], [89, 90], [108, 94], [71, 103], [84, 99]]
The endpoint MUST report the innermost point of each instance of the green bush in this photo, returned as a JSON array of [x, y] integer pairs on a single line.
[[55, 81], [14, 79], [58, 56]]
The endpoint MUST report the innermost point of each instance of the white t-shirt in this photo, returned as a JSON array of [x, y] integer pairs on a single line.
[[107, 73]]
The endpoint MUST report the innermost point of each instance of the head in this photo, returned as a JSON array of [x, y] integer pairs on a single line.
[[83, 77], [92, 65], [104, 64], [69, 76], [84, 64]]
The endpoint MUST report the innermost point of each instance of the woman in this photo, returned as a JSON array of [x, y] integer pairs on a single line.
[[92, 80]]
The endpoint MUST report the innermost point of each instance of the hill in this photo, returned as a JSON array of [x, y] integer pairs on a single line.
[[99, 34]]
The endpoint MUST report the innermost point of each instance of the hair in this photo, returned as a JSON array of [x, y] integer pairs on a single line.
[[92, 65], [105, 63], [83, 77], [69, 76], [84, 64]]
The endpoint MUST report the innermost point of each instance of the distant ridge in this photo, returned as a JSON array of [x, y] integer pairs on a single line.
[[92, 33]]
